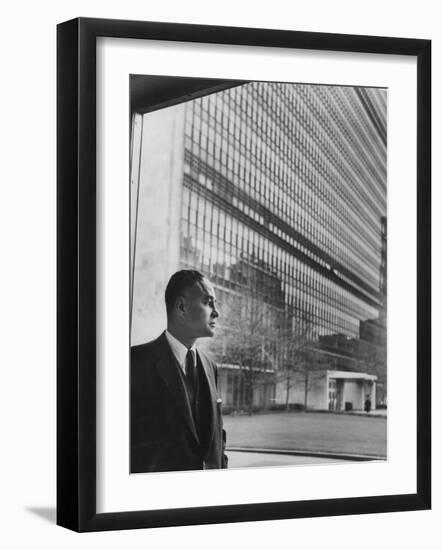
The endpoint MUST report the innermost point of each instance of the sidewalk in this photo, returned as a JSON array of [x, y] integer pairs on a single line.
[[299, 454], [238, 459], [381, 413]]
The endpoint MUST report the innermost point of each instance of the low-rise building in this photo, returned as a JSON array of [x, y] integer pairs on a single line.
[[327, 390]]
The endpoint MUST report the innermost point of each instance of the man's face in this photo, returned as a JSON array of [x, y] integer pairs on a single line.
[[200, 313]]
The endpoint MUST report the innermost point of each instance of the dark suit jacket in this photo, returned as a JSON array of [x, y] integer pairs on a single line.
[[163, 432]]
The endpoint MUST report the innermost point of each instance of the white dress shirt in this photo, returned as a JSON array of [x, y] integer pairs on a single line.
[[179, 350]]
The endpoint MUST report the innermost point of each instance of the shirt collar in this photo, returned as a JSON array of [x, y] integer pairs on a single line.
[[179, 350]]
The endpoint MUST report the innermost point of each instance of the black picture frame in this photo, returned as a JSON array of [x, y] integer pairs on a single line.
[[76, 273]]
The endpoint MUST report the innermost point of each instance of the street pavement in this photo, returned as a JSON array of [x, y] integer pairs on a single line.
[[353, 435]]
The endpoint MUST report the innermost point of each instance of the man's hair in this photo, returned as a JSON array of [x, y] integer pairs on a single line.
[[179, 283]]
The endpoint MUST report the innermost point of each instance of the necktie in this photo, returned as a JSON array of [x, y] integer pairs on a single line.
[[190, 373], [193, 383]]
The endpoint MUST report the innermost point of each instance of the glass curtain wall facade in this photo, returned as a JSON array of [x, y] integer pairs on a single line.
[[284, 190], [290, 179]]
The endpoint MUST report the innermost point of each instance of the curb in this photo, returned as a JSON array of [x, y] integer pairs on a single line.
[[319, 454], [349, 413]]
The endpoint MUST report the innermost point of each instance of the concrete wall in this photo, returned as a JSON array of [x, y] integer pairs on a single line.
[[373, 396], [318, 391], [353, 393], [158, 208]]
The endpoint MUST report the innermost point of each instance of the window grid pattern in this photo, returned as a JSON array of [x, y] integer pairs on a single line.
[[289, 179]]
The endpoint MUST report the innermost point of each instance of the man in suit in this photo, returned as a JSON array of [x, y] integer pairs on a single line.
[[176, 421]]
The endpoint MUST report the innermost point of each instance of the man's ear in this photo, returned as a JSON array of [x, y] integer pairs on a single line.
[[180, 306]]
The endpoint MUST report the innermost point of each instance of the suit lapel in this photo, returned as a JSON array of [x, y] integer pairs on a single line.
[[208, 371], [169, 370]]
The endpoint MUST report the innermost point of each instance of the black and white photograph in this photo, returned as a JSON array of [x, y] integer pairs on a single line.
[[258, 274]]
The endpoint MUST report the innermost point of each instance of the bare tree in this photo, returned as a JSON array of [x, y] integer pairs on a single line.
[[248, 340], [293, 351]]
